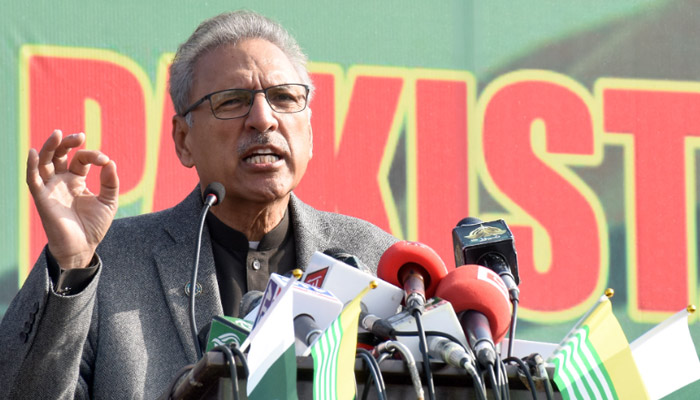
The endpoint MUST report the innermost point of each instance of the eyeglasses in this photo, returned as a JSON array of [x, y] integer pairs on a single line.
[[237, 103]]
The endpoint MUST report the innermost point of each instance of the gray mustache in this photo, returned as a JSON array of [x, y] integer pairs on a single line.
[[262, 139]]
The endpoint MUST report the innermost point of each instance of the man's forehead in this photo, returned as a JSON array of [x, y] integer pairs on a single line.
[[248, 60]]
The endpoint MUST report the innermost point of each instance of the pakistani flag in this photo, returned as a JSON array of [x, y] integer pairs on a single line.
[[666, 356], [595, 362], [334, 354], [271, 359]]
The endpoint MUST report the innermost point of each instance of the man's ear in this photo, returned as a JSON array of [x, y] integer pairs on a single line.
[[180, 131]]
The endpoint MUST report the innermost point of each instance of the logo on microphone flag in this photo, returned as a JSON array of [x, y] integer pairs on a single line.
[[594, 361], [271, 359], [334, 354]]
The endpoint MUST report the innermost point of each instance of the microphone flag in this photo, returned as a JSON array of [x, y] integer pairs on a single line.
[[594, 361], [334, 354], [271, 360], [227, 330]]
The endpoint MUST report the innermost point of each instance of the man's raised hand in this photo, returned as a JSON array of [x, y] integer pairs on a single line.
[[74, 219]]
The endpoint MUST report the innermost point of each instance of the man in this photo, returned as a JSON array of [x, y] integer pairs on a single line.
[[104, 312]]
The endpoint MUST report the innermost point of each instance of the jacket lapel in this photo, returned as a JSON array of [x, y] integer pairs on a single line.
[[175, 260], [310, 232]]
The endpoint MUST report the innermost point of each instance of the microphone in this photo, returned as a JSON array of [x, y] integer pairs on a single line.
[[213, 194], [491, 245], [225, 331], [455, 355], [347, 258], [379, 327], [413, 266], [326, 272], [314, 309], [480, 298], [249, 302], [438, 315]]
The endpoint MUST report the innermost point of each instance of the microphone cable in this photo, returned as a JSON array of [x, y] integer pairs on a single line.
[[423, 346], [454, 354], [473, 370], [375, 375], [536, 361], [526, 371], [242, 358], [176, 378], [390, 346], [228, 355], [513, 321], [213, 194], [495, 387], [503, 378]]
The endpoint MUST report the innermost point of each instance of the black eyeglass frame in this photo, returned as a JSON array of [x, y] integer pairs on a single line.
[[253, 92]]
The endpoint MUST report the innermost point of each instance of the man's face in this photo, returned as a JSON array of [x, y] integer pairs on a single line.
[[261, 157]]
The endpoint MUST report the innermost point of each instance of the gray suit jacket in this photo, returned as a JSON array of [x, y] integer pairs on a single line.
[[127, 333]]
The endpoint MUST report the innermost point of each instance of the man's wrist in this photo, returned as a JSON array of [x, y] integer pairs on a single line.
[[71, 281]]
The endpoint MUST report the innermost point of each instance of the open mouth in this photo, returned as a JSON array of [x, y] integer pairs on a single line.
[[262, 156]]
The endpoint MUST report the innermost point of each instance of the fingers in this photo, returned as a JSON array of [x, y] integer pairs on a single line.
[[60, 155], [45, 165], [34, 180], [53, 156], [109, 184], [80, 164]]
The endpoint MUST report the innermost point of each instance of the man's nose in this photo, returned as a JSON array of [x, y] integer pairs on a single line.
[[261, 116]]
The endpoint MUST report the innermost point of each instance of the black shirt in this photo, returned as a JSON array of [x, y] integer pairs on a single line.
[[240, 268]]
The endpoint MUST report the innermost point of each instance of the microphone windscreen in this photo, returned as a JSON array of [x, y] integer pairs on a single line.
[[217, 189], [469, 221], [473, 287], [347, 258], [405, 252], [249, 301]]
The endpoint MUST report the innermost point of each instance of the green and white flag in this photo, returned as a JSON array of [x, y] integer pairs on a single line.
[[271, 359], [594, 360], [334, 354], [666, 356]]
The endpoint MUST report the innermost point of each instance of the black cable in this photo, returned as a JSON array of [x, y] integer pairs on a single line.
[[228, 354], [475, 375], [375, 374], [492, 380], [503, 378], [541, 369], [513, 321], [176, 379], [423, 346], [526, 371], [193, 281], [241, 357], [495, 387]]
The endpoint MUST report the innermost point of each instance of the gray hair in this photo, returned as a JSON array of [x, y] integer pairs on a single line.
[[229, 28]]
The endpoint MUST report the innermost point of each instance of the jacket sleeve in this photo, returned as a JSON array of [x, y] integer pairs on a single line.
[[44, 346]]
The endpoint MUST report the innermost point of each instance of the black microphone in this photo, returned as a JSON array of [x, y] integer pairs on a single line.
[[478, 329], [489, 244], [213, 194], [347, 258], [249, 302]]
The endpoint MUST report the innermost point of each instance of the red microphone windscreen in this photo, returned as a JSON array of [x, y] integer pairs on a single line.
[[405, 252], [473, 287]]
